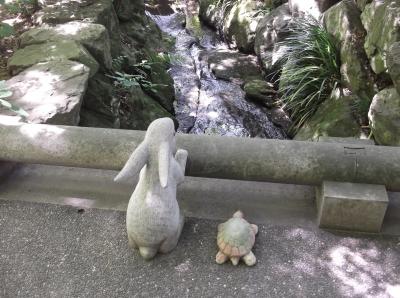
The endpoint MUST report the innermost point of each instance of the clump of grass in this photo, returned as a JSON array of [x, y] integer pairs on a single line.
[[311, 69]]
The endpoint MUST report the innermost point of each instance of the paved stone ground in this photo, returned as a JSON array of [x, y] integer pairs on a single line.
[[59, 251]]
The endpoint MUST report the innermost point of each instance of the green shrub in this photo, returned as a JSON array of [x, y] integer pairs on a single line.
[[310, 69], [6, 30], [24, 7]]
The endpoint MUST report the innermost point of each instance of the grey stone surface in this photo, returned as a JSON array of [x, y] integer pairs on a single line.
[[351, 206], [348, 140], [50, 92], [48, 250]]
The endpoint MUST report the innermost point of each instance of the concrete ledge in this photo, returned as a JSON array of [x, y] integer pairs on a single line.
[[351, 206], [217, 199], [198, 197]]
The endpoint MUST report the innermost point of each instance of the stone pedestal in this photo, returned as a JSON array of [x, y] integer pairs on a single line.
[[351, 206]]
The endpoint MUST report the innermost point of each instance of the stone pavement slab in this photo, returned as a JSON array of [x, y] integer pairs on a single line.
[[60, 251]]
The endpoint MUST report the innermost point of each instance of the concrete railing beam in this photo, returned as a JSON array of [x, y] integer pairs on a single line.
[[209, 156]]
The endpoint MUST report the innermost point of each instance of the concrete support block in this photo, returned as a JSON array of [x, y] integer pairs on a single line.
[[351, 206]]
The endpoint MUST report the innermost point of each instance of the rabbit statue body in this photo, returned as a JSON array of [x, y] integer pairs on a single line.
[[153, 220]]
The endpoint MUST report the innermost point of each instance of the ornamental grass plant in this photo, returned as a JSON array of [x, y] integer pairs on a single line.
[[310, 69]]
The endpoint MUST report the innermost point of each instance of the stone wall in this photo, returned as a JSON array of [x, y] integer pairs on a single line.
[[63, 66], [367, 34]]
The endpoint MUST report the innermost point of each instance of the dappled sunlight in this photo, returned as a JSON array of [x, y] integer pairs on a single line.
[[28, 97], [72, 28], [42, 132], [10, 120], [357, 266], [46, 138], [361, 270], [79, 202]]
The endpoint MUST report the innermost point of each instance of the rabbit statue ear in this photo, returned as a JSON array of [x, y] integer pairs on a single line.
[[135, 163], [163, 163]]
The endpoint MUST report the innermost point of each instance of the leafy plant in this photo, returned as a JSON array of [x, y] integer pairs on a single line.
[[6, 30], [24, 7], [311, 69], [4, 93], [125, 81], [118, 62]]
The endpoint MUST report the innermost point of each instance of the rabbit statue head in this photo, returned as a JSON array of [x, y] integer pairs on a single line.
[[156, 151]]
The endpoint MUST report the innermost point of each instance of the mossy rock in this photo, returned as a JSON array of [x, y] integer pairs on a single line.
[[51, 51], [384, 117], [260, 91], [393, 63], [141, 111], [240, 24], [343, 22], [381, 20], [333, 118], [94, 37]]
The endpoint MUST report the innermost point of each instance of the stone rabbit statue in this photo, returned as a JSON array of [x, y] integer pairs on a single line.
[[153, 219]]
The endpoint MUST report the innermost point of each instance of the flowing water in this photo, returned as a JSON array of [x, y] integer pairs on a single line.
[[205, 104]]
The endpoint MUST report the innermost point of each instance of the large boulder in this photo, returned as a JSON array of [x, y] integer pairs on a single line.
[[240, 24], [163, 87], [361, 4], [140, 110], [310, 7], [50, 92], [100, 105], [231, 66], [381, 20], [99, 12], [272, 29], [393, 63], [343, 22], [94, 37], [128, 10], [333, 118], [51, 51], [211, 12], [384, 117]]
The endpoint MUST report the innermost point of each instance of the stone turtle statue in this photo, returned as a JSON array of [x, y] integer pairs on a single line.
[[153, 219], [235, 240]]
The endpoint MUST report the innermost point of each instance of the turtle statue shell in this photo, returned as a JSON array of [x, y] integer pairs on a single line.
[[235, 240]]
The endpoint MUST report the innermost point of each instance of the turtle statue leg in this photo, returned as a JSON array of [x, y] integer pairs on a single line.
[[221, 258], [250, 259], [235, 260], [170, 243]]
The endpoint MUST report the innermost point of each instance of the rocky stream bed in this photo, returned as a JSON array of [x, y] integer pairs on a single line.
[[208, 79]]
